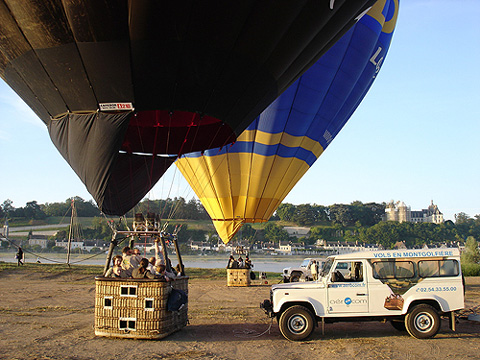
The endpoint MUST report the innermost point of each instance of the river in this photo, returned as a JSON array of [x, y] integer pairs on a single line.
[[272, 263]]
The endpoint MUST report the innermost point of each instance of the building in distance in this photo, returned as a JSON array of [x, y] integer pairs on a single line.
[[400, 212]]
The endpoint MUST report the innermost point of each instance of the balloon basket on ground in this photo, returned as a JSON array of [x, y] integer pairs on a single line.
[[142, 308], [137, 308], [238, 277]]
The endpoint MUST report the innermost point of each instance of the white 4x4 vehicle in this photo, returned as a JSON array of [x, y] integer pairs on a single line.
[[294, 274], [409, 288]]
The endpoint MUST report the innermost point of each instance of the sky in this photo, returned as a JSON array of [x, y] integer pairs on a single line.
[[414, 138]]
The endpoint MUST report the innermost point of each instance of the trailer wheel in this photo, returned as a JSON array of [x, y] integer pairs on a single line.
[[422, 321], [296, 323]]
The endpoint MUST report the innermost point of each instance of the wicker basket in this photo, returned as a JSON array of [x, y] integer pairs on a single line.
[[137, 308], [238, 277]]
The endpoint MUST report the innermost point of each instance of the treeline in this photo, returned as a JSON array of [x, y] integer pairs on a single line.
[[176, 208], [356, 213], [385, 233], [34, 211], [355, 222]]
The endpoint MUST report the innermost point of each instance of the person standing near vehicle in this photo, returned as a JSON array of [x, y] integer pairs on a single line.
[[314, 270], [19, 256]]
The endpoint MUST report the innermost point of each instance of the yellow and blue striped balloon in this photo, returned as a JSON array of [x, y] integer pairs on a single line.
[[245, 182]]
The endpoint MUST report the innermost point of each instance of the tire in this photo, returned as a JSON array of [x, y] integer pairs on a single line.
[[399, 325], [422, 321], [295, 277], [296, 323]]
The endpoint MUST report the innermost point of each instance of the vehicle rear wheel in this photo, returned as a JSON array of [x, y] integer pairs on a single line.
[[295, 277], [399, 325], [422, 321], [296, 323]]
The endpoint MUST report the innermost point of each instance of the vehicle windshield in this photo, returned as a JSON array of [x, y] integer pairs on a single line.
[[326, 267], [305, 263]]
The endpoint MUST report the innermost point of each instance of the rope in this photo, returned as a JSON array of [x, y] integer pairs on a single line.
[[64, 215], [29, 252], [52, 260], [247, 333], [463, 314], [87, 258]]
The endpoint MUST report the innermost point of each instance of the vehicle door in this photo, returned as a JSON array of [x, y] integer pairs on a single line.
[[347, 293]]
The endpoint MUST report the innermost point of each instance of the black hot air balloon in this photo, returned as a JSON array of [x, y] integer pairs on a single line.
[[120, 83]]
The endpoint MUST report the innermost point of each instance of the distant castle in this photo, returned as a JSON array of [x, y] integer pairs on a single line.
[[402, 213]]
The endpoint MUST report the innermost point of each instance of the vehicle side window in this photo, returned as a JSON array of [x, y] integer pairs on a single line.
[[383, 270], [393, 270], [404, 269], [436, 268], [346, 271]]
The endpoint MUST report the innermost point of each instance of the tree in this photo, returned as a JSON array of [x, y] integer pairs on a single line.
[[56, 209], [386, 234], [321, 232], [7, 206], [320, 212], [471, 255], [33, 211], [246, 232], [462, 218], [342, 214], [304, 215], [85, 208], [286, 212], [368, 214], [275, 233]]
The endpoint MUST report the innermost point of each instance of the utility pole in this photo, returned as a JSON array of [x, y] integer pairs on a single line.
[[71, 232]]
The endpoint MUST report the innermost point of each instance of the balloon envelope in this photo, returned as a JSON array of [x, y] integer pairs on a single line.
[[247, 181], [185, 75]]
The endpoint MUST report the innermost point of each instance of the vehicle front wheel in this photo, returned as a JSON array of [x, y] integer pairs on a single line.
[[422, 322], [295, 277], [296, 323]]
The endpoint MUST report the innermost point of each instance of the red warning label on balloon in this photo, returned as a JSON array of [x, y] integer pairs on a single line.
[[116, 106]]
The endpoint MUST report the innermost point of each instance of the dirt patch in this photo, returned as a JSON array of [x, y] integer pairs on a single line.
[[47, 316]]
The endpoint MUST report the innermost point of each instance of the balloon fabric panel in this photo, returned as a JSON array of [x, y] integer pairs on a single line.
[[90, 144]]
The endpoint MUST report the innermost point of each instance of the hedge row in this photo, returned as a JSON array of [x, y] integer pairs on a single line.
[[471, 269]]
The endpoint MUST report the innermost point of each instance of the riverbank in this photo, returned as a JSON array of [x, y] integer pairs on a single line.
[[273, 264], [49, 315]]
